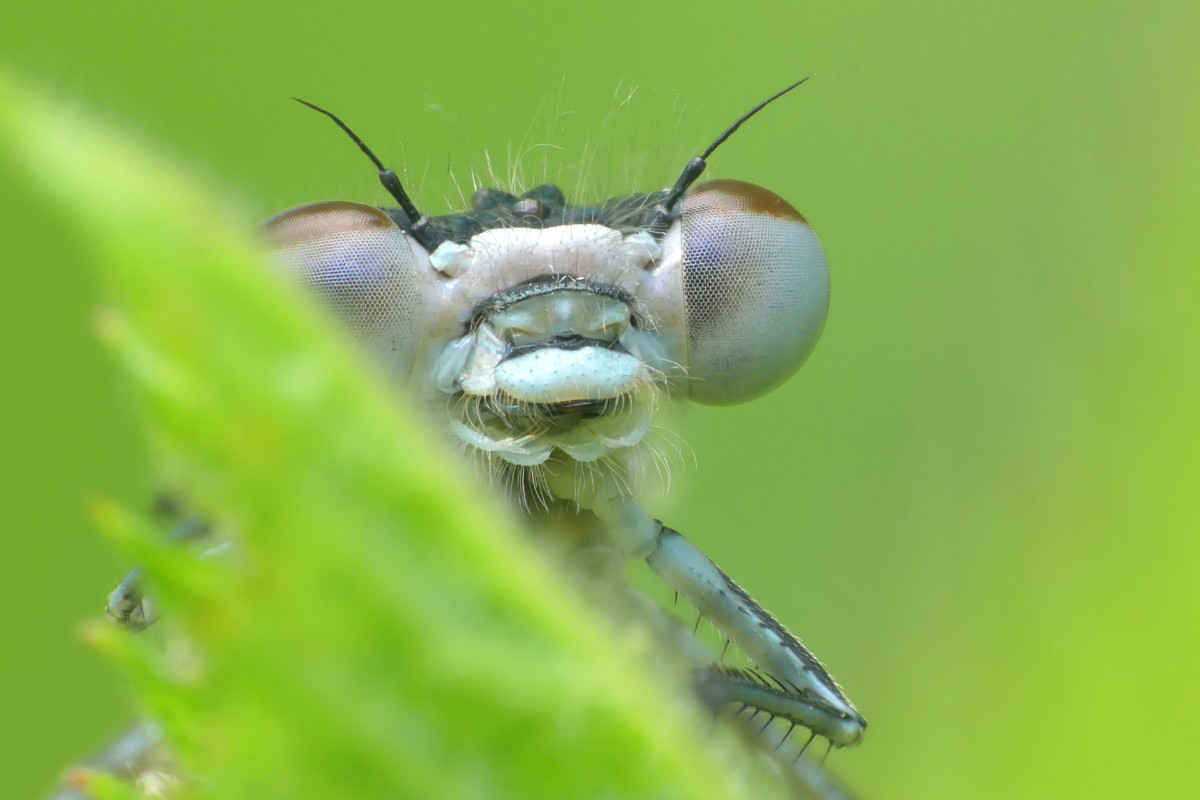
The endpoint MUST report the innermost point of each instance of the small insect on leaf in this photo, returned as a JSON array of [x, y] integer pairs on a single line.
[[545, 339]]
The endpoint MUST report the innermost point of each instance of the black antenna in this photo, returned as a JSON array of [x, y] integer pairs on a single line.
[[696, 166], [386, 176]]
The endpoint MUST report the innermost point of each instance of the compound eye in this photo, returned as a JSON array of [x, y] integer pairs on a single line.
[[756, 288], [363, 266]]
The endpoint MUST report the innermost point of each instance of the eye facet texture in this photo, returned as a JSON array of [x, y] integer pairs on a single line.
[[362, 266], [756, 287]]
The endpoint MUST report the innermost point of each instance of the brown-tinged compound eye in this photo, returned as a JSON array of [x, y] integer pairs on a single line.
[[756, 288], [362, 265]]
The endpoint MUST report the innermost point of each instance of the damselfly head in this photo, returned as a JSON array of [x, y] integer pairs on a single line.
[[551, 327]]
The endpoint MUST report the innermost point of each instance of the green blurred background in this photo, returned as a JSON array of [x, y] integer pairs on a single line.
[[978, 500]]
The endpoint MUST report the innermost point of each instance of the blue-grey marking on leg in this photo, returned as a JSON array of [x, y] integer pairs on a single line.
[[805, 692]]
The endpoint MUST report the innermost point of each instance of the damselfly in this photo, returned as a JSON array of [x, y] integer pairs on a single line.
[[547, 335]]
